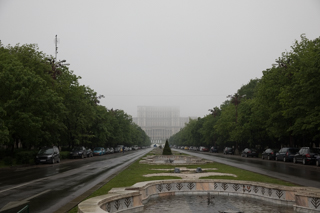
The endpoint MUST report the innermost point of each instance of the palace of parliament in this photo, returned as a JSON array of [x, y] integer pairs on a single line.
[[160, 122]]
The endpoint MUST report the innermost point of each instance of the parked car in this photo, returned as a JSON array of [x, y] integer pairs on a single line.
[[203, 149], [107, 150], [48, 155], [98, 151], [318, 160], [228, 150], [286, 154], [78, 152], [269, 154], [214, 149], [89, 153], [117, 149], [306, 155], [135, 147], [247, 152], [111, 150]]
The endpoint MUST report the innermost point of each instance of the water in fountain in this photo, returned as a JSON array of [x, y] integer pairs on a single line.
[[212, 203]]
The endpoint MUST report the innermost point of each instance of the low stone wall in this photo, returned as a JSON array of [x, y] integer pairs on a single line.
[[173, 159], [131, 199]]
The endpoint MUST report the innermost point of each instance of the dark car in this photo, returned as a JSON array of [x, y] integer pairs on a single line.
[[269, 154], [48, 155], [78, 152], [306, 155], [286, 154], [247, 152], [228, 150], [213, 149], [89, 153]]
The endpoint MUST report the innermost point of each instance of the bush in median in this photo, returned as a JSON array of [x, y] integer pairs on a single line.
[[166, 149]]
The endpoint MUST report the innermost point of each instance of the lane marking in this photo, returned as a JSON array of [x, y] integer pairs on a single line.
[[38, 194], [14, 204], [23, 184]]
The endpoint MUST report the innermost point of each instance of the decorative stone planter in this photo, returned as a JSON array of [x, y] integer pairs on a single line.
[[131, 199], [173, 159]]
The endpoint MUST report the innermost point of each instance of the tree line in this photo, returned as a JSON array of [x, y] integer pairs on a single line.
[[42, 103], [280, 109]]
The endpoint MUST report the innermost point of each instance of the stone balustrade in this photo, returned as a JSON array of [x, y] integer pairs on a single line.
[[132, 199]]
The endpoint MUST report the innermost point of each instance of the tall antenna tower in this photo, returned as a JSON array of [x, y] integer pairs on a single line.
[[56, 44]]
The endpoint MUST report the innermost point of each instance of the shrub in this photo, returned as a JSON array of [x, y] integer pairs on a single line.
[[3, 154], [64, 155], [8, 161], [166, 149], [25, 157], [65, 149]]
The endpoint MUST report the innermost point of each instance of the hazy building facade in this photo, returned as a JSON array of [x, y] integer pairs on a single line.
[[159, 123]]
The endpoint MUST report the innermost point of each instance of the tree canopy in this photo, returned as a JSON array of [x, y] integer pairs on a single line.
[[280, 109], [42, 103]]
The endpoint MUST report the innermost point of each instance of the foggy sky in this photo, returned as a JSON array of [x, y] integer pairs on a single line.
[[191, 54]]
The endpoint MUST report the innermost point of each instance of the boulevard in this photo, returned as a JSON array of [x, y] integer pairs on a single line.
[[59, 187]]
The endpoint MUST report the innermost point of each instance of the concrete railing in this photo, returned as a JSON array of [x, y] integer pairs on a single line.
[[131, 199]]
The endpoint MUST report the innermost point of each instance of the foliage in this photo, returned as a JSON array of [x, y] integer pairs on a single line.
[[166, 149], [280, 109], [42, 103], [8, 161], [25, 157], [64, 155]]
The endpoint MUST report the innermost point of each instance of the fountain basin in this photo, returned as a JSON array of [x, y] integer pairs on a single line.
[[133, 199]]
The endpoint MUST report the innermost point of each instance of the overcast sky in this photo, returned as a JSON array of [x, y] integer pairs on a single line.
[[191, 54]]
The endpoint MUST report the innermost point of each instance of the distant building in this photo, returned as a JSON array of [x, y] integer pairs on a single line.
[[160, 123]]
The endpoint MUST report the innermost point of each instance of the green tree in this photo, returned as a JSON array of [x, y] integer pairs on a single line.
[[299, 97], [31, 108], [166, 149]]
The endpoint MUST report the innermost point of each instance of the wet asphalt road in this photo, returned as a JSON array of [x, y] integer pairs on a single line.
[[47, 188], [304, 175]]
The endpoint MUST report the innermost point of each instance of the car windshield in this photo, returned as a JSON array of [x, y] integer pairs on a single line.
[[46, 151]]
